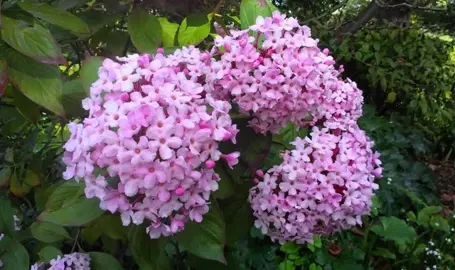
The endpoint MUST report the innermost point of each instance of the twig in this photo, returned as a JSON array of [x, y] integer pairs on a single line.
[[218, 7], [404, 4]]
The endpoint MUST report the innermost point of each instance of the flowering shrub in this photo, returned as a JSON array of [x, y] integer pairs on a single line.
[[276, 72], [153, 135], [151, 132], [73, 261]]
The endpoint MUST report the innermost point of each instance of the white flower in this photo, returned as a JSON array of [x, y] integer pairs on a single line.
[[436, 224]]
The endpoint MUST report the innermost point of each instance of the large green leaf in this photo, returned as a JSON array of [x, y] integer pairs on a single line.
[[29, 109], [194, 29], [57, 16], [395, 229], [48, 232], [149, 254], [15, 258], [206, 239], [68, 206], [5, 175], [169, 32], [251, 9], [3, 76], [49, 253], [39, 82], [102, 261], [73, 94], [34, 41], [78, 213], [6, 217], [145, 30], [89, 71]]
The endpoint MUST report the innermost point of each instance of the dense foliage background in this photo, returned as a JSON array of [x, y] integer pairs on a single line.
[[401, 54]]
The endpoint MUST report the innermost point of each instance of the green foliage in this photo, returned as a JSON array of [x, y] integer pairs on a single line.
[[404, 69]]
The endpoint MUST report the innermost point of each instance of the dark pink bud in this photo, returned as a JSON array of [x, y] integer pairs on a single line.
[[256, 181], [227, 47], [326, 51], [205, 57], [260, 173], [125, 97], [210, 164], [179, 191], [160, 50], [243, 42]]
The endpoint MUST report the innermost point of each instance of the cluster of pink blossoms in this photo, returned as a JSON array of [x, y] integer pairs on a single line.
[[149, 145], [276, 73], [73, 261], [326, 183], [322, 186]]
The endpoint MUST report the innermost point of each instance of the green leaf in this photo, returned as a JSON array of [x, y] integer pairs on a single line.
[[226, 185], [109, 225], [205, 239], [423, 217], [39, 82], [385, 253], [101, 261], [49, 253], [149, 254], [34, 41], [16, 186], [31, 180], [64, 194], [6, 217], [73, 94], [29, 109], [419, 250], [89, 71], [169, 32], [391, 97], [290, 248], [57, 16], [145, 30], [3, 75], [251, 9], [439, 223], [238, 215], [5, 175], [78, 213], [48, 232], [74, 209], [194, 29], [395, 229], [68, 4], [15, 258]]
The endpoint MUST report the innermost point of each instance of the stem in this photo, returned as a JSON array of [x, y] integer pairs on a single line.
[[75, 240], [240, 116]]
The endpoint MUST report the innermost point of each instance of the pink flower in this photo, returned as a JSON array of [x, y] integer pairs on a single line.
[[232, 159]]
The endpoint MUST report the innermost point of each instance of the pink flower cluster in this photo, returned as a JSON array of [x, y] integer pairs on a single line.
[[322, 186], [73, 261], [150, 143], [276, 73]]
